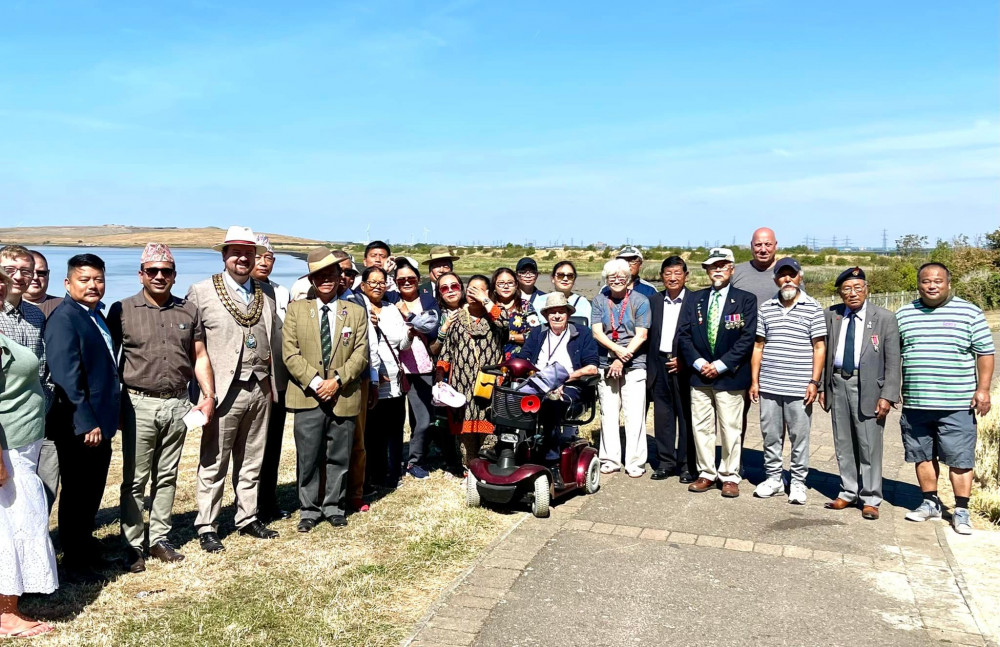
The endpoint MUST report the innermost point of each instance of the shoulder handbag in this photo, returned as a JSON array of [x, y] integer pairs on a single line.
[[404, 382]]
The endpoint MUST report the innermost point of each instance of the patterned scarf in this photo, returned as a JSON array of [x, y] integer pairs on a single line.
[[475, 327]]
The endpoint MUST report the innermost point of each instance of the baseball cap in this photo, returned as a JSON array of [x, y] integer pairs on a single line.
[[630, 251], [527, 263], [787, 261], [717, 254]]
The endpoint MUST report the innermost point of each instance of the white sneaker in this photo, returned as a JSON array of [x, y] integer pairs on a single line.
[[797, 493], [960, 521], [770, 487], [928, 510]]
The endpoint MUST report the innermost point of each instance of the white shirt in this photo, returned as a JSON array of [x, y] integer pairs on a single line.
[[671, 313], [723, 294], [394, 338], [555, 350], [281, 298], [859, 336], [243, 288]]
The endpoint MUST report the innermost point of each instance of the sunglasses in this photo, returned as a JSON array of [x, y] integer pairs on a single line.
[[151, 272], [565, 276], [41, 273], [406, 280], [450, 287]]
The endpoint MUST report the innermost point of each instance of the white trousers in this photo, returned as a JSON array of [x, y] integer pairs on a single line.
[[623, 394], [713, 410]]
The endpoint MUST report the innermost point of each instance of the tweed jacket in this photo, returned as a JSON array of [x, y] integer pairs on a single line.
[[302, 352], [879, 368], [224, 337]]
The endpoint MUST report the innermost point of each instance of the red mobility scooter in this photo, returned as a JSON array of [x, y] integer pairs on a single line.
[[516, 471]]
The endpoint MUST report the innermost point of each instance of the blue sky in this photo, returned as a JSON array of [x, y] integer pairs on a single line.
[[668, 122]]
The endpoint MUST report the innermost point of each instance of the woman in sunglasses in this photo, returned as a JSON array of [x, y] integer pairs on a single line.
[[450, 297], [563, 280], [418, 364], [384, 425]]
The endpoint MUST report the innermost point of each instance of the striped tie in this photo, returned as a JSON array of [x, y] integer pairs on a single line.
[[325, 339], [713, 319]]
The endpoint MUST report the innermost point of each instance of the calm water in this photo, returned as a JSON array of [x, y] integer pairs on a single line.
[[193, 265]]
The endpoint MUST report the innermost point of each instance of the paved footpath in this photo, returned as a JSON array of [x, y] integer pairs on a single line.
[[644, 562]]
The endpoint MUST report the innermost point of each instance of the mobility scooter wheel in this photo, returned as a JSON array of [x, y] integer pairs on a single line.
[[593, 483], [540, 504], [471, 491]]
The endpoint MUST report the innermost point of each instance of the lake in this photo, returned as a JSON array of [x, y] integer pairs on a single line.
[[122, 263]]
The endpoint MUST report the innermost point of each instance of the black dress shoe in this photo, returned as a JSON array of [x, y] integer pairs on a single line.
[[267, 516], [256, 529], [305, 525], [210, 543], [662, 474], [688, 477], [338, 521], [134, 561]]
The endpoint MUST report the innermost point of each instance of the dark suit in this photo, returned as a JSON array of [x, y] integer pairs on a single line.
[[852, 400], [720, 398], [87, 397], [670, 394]]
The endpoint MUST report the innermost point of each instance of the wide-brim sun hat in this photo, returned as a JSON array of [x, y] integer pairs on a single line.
[[441, 254], [237, 235], [444, 395], [319, 258]]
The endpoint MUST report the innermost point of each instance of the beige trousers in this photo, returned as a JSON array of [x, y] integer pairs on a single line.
[[239, 431], [722, 410]]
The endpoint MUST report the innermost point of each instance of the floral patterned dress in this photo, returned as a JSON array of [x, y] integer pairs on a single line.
[[518, 321], [470, 345]]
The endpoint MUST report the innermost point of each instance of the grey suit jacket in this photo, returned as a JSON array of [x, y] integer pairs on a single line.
[[224, 337], [879, 369]]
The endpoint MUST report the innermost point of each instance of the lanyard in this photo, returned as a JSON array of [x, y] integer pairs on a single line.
[[621, 316], [548, 344]]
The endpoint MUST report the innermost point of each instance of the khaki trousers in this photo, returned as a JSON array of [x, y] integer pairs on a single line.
[[239, 430], [153, 434], [722, 410], [356, 470]]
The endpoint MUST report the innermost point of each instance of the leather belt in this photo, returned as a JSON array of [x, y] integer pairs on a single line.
[[160, 395], [847, 375]]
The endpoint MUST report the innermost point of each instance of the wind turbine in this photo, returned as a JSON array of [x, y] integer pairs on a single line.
[[368, 229], [426, 231]]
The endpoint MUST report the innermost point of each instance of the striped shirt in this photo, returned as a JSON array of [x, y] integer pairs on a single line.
[[939, 347], [787, 364]]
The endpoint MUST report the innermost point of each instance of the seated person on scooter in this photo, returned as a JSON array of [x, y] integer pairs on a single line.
[[560, 342]]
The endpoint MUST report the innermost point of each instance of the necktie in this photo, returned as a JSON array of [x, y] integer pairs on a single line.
[[103, 327], [848, 363], [324, 336], [713, 319]]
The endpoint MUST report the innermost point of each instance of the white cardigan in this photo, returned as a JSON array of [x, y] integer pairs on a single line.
[[394, 333]]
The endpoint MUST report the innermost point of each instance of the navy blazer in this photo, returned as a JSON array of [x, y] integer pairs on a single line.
[[87, 393], [582, 346], [734, 346], [655, 368]]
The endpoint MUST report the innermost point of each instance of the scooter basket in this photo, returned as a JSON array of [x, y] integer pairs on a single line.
[[507, 412]]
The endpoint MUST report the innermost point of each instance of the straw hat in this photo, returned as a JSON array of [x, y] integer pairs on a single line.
[[237, 235], [441, 254], [555, 300]]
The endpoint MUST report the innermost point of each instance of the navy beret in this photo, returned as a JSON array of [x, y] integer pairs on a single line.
[[848, 274]]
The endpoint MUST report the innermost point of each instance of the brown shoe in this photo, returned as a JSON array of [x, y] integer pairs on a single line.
[[701, 485], [730, 490], [837, 504], [869, 512], [164, 552]]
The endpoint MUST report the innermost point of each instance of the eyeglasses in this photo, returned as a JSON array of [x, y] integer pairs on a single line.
[[376, 284], [14, 271], [564, 276], [41, 273], [450, 287], [617, 280], [151, 272], [635, 261], [406, 280], [506, 284], [855, 290]]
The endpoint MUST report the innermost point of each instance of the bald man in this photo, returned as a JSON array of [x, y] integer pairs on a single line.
[[757, 276]]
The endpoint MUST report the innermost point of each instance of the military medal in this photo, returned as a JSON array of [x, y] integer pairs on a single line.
[[875, 342]]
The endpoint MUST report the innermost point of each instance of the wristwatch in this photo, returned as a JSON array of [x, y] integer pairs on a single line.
[[815, 383]]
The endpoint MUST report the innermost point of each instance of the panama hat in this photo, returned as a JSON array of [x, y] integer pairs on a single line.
[[318, 259], [237, 235], [555, 300], [441, 254]]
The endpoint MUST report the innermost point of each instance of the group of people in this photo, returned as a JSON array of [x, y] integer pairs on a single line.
[[353, 351]]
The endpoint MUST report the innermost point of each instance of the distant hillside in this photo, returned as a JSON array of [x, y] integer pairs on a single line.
[[123, 236]]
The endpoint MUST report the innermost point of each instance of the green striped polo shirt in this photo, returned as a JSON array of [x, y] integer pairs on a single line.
[[939, 347]]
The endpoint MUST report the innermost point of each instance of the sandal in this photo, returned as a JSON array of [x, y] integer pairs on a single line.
[[32, 631]]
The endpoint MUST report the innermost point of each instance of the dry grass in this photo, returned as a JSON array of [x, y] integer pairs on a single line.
[[366, 584], [985, 500], [124, 236]]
